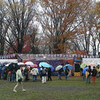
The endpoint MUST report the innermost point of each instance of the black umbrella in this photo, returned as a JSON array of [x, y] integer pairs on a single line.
[[11, 66]]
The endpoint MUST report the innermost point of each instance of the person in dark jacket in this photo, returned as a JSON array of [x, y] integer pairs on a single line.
[[14, 73], [59, 73], [89, 76], [94, 73], [49, 74], [26, 71], [5, 74], [66, 73]]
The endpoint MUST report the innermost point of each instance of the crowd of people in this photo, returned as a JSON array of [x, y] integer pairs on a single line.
[[90, 74], [23, 73]]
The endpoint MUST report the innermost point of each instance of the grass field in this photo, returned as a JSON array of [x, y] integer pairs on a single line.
[[73, 89]]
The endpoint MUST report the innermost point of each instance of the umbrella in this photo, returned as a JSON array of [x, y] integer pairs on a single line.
[[29, 63], [0, 64], [10, 66], [83, 65], [21, 63], [98, 65], [35, 65], [3, 68], [69, 66], [7, 64], [58, 67], [77, 60], [45, 64], [84, 70]]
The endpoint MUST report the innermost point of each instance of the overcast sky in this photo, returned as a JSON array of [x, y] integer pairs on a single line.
[[97, 0]]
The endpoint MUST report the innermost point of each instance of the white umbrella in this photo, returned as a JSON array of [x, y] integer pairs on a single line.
[[7, 64], [21, 63], [58, 67], [29, 63]]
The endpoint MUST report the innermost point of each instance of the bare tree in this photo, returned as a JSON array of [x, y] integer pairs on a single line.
[[3, 27], [19, 15]]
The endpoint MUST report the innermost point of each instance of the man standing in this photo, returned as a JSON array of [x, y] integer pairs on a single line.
[[49, 74]]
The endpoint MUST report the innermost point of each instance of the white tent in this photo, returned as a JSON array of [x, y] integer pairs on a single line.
[[8, 61]]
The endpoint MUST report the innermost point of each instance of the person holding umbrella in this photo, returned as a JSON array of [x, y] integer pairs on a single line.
[[84, 70], [26, 72], [34, 73], [66, 72], [49, 74], [43, 75], [59, 72], [19, 78], [13, 73]]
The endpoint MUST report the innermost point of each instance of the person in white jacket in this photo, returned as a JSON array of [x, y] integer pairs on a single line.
[[19, 78], [34, 73]]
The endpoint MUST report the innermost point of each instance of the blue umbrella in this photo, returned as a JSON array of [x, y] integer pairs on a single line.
[[84, 70], [0, 64], [69, 66], [46, 65], [77, 60], [3, 68]]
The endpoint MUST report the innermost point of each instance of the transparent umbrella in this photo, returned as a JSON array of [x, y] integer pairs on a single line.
[[29, 63], [58, 67]]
